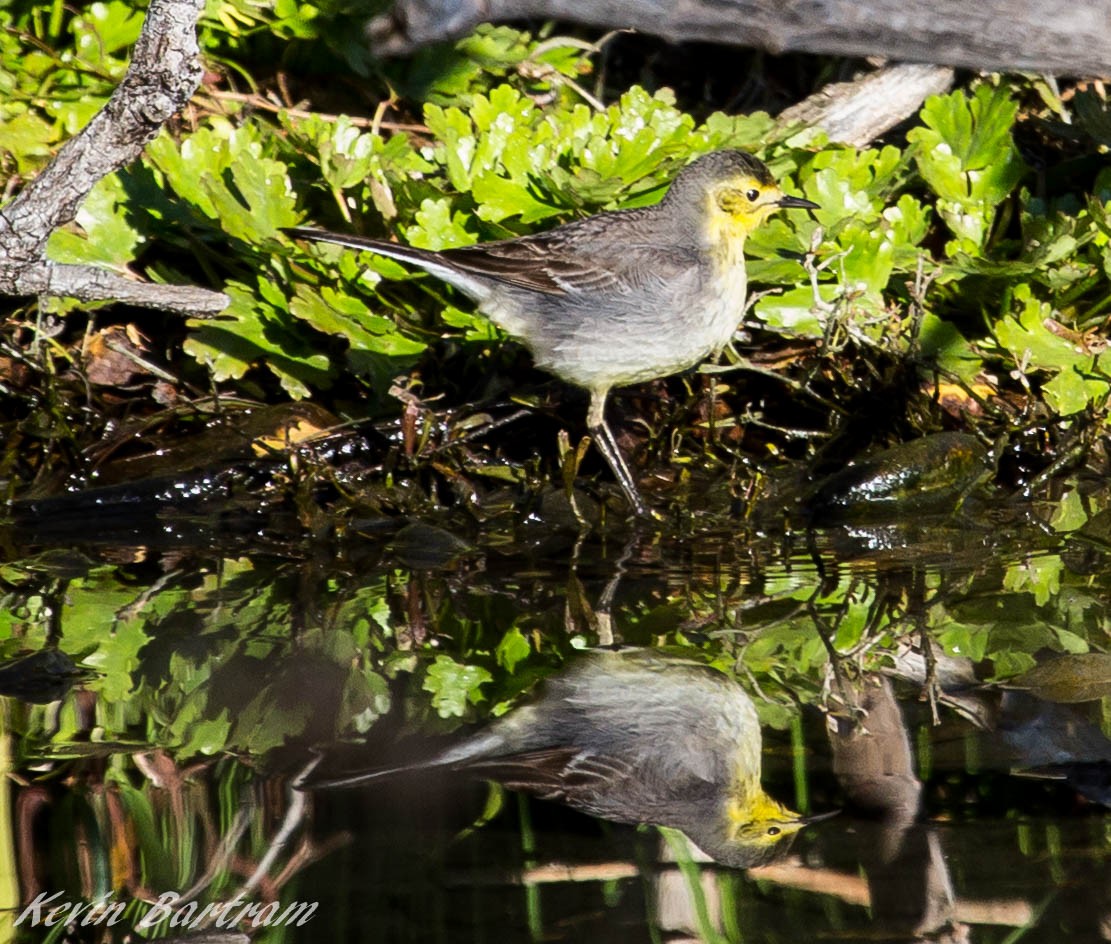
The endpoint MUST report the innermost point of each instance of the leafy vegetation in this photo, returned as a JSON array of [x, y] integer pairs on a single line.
[[956, 276], [942, 249]]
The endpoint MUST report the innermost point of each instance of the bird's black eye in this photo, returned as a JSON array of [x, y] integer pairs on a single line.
[[752, 195], [772, 830]]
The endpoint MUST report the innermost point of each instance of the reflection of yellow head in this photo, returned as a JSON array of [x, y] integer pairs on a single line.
[[759, 822], [753, 830]]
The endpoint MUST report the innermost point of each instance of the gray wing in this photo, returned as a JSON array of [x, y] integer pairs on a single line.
[[612, 252], [560, 773]]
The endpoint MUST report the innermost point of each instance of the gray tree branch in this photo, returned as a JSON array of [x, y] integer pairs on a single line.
[[1062, 37], [164, 73], [860, 111]]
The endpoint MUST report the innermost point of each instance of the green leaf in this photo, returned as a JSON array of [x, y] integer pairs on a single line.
[[942, 343], [250, 332], [967, 156], [453, 685], [206, 735], [512, 649], [25, 136], [366, 698], [225, 173], [108, 238], [794, 311], [439, 227], [103, 29], [117, 657], [1007, 664], [968, 641], [1039, 575], [1036, 343]]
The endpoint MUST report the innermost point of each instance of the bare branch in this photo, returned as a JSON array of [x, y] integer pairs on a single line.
[[860, 111], [164, 73], [93, 284]]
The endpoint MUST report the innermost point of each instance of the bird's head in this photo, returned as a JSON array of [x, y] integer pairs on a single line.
[[759, 822], [733, 193], [755, 830]]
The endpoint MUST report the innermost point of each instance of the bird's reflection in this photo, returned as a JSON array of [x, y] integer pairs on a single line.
[[635, 736]]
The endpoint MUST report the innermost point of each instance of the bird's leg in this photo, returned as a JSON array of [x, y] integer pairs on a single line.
[[596, 422]]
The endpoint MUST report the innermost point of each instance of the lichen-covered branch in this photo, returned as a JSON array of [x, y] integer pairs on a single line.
[[164, 73]]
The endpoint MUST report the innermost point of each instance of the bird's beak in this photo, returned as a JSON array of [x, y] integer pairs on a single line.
[[796, 203], [817, 818]]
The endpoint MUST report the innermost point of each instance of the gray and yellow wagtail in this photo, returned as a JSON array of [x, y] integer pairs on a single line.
[[622, 297], [634, 736]]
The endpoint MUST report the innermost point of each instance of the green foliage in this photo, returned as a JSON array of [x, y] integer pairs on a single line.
[[57, 68], [871, 237], [454, 685], [1078, 380], [501, 135], [496, 136], [512, 650], [965, 153], [106, 237]]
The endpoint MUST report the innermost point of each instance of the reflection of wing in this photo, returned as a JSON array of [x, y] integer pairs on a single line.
[[558, 773]]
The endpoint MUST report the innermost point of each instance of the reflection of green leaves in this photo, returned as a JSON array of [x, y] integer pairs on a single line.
[[206, 735], [269, 720], [366, 698], [454, 685], [512, 649], [99, 638], [783, 656], [192, 728], [966, 641], [1039, 575], [1069, 513]]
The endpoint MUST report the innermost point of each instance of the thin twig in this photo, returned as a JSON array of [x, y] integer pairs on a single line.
[[371, 124]]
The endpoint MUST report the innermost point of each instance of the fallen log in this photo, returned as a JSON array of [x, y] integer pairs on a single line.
[[1061, 37]]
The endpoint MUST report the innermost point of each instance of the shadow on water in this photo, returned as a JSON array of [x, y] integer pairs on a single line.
[[175, 668]]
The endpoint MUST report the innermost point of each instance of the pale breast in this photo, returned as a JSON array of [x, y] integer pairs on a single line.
[[627, 339]]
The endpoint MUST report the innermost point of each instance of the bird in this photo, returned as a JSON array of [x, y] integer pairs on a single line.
[[622, 297], [632, 735]]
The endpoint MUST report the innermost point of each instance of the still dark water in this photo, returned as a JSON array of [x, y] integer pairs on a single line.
[[941, 681]]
